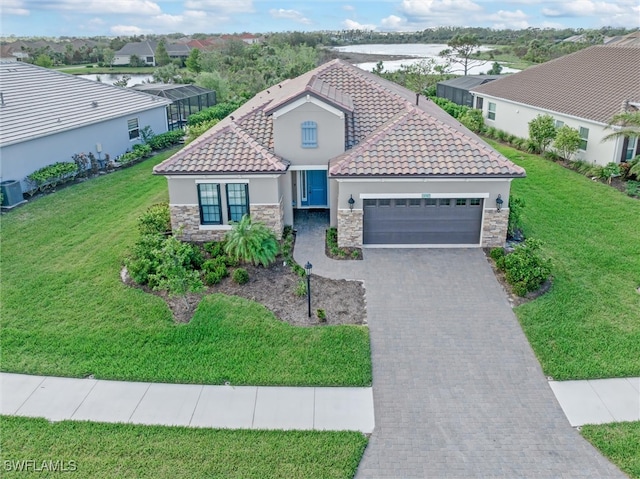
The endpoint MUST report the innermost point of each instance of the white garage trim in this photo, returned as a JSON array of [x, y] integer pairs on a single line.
[[375, 196]]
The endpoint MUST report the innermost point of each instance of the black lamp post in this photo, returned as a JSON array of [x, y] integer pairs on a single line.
[[307, 268], [351, 202], [499, 202]]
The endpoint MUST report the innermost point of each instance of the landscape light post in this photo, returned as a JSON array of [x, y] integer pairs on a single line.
[[307, 268]]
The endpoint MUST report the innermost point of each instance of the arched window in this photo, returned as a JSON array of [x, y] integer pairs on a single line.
[[309, 134]]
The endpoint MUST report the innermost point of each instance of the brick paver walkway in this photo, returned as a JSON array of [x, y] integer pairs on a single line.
[[458, 392]]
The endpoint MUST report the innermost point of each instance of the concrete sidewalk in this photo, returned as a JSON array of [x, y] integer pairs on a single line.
[[599, 401], [229, 407]]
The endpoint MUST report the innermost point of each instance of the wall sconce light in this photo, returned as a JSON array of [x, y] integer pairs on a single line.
[[351, 202], [499, 202]]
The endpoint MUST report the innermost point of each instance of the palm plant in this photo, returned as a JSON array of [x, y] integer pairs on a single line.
[[251, 242], [628, 123]]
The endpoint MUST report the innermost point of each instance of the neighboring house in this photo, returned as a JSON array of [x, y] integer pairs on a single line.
[[146, 51], [185, 100], [583, 90], [10, 54], [47, 116], [392, 167], [458, 89]]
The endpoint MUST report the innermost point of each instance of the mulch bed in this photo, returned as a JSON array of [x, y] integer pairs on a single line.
[[275, 288]]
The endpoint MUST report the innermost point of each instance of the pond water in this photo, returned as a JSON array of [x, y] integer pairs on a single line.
[[417, 52], [109, 78]]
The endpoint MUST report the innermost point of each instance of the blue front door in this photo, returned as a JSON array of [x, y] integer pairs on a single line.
[[316, 188]]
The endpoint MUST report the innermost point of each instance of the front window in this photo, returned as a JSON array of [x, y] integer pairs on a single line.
[[209, 202], [309, 134], [559, 124], [631, 142], [237, 200], [134, 128], [584, 137], [492, 111]]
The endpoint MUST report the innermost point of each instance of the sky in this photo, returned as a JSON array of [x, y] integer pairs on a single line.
[[54, 18]]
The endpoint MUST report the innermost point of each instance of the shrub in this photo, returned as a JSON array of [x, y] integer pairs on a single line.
[[473, 120], [532, 147], [496, 253], [567, 141], [145, 258], [82, 162], [633, 188], [301, 288], [194, 131], [551, 155], [251, 242], [240, 276], [299, 270], [609, 171], [514, 227], [542, 131], [156, 220], [322, 315], [525, 269], [491, 132], [450, 107], [52, 175], [165, 140], [502, 135], [216, 275], [215, 248], [143, 151], [217, 112]]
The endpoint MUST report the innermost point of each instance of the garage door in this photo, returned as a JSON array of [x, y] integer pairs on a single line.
[[422, 221]]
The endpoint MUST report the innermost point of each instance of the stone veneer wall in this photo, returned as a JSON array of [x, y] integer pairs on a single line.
[[270, 215], [494, 228], [350, 225]]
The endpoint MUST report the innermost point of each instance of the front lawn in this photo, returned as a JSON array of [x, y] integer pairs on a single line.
[[588, 326], [619, 442], [99, 450], [65, 311]]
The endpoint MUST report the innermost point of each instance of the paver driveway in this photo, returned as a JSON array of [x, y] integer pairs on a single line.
[[458, 392]]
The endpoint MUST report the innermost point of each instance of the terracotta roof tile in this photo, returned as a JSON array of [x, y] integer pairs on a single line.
[[388, 133], [591, 83]]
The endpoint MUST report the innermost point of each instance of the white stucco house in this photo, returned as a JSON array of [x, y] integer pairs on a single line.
[[47, 116], [392, 168], [583, 90]]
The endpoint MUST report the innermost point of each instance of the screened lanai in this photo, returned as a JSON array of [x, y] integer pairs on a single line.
[[185, 100]]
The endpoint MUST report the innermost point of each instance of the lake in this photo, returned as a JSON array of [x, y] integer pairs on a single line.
[[109, 78], [417, 52]]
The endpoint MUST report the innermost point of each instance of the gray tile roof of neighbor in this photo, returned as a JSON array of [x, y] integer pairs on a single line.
[[39, 102], [469, 81], [592, 83], [148, 47], [390, 135]]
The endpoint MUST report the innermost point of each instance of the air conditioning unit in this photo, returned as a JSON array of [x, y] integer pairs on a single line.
[[11, 193]]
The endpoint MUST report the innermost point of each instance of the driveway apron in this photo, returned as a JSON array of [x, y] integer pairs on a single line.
[[458, 392]]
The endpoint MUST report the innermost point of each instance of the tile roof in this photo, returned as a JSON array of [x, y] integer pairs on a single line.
[[388, 134], [40, 102], [592, 83]]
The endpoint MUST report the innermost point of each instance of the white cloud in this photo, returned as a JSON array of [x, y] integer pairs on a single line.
[[583, 8], [349, 8], [393, 22], [130, 7], [353, 25], [221, 6], [294, 15], [96, 22], [128, 30], [13, 7], [504, 19], [424, 9]]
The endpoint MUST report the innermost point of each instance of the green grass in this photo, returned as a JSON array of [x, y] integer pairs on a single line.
[[130, 451], [588, 325], [505, 57], [65, 311], [619, 442]]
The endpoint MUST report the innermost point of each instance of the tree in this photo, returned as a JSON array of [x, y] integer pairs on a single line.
[[625, 124], [123, 81], [43, 60], [461, 48], [108, 55], [193, 61], [542, 131], [496, 69], [136, 61], [162, 57], [216, 82], [251, 242], [567, 141]]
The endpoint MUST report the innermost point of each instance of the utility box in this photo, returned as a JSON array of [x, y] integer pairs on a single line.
[[11, 193]]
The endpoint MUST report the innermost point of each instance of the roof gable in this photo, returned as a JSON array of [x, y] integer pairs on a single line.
[[592, 83], [40, 102]]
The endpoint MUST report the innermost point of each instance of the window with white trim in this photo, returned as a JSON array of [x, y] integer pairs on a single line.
[[491, 113], [631, 144], [584, 138], [134, 128], [309, 134], [209, 202], [559, 123], [237, 200]]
